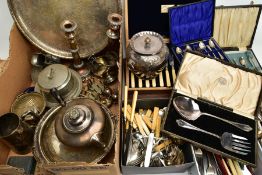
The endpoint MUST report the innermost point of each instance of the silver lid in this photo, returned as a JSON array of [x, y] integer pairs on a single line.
[[147, 43], [77, 119], [54, 76]]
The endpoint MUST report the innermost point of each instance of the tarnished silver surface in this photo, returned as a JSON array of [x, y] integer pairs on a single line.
[[147, 54], [48, 148], [40, 22], [28, 102], [79, 121], [67, 82]]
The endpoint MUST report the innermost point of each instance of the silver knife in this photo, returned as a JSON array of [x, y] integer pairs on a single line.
[[149, 149]]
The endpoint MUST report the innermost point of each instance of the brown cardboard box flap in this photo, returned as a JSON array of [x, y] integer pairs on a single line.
[[15, 73]]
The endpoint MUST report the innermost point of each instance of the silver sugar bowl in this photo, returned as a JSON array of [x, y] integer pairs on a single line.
[[56, 81], [147, 54]]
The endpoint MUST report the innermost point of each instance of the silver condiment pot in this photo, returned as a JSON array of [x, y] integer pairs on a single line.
[[147, 54], [58, 80]]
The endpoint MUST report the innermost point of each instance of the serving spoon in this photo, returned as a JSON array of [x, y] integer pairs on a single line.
[[190, 110]]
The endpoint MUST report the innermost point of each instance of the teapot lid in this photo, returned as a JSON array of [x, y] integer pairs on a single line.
[[54, 76], [147, 43], [77, 118]]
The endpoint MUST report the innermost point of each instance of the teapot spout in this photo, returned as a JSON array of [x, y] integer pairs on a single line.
[[97, 139]]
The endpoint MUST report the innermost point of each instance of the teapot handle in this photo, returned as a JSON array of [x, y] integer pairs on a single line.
[[57, 96]]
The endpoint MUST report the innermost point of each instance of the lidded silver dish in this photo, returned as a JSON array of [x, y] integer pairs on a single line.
[[60, 79], [81, 131], [147, 54]]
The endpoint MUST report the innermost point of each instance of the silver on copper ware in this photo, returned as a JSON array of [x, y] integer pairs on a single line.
[[69, 27], [29, 106], [57, 77], [39, 21], [81, 131], [106, 67], [38, 60], [115, 21], [16, 133], [147, 54]]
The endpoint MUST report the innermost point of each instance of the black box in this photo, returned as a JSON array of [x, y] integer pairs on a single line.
[[190, 64], [191, 25], [189, 167]]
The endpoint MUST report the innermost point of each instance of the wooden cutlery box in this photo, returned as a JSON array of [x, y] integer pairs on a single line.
[[149, 15], [191, 28], [234, 30], [229, 92]]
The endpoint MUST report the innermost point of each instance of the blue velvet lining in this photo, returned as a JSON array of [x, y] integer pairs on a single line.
[[191, 22]]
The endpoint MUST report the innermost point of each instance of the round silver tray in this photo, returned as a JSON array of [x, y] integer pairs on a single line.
[[40, 22]]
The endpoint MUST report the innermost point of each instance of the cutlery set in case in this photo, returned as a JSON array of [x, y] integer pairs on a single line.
[[234, 30], [217, 111], [191, 29]]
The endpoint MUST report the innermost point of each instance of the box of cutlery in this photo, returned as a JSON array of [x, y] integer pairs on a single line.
[[149, 15], [214, 104], [234, 30], [133, 152], [191, 29]]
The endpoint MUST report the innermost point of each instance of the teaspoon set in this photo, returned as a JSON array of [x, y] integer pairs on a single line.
[[202, 47]]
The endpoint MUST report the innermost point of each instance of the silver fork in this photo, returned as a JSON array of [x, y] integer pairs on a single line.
[[229, 141]]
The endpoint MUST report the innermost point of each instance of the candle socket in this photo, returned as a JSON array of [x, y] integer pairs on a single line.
[[69, 28]]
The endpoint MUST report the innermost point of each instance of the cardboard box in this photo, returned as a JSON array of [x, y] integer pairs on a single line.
[[235, 29], [14, 79], [225, 109]]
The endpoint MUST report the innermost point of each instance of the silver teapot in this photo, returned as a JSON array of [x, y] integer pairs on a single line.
[[147, 54], [79, 124]]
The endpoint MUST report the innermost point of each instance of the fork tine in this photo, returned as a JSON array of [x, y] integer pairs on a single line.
[[240, 145], [240, 141], [239, 152], [238, 137], [240, 149]]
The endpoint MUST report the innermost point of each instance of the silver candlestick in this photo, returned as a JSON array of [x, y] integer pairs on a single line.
[[69, 28]]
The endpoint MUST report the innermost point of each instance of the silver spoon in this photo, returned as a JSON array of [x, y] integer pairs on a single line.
[[242, 61], [201, 45], [189, 109], [178, 50], [139, 137], [188, 47], [212, 45]]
